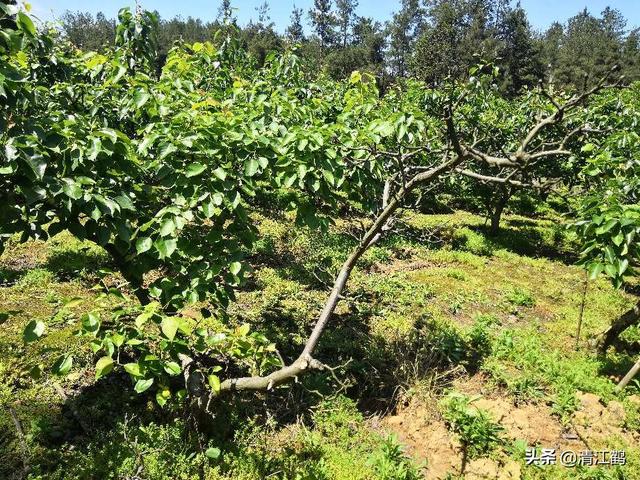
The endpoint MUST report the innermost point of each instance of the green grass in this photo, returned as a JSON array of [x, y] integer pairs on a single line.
[[440, 295]]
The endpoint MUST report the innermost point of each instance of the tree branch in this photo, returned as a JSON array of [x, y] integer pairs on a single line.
[[305, 361]]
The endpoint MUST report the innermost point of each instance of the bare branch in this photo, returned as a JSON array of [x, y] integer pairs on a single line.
[[487, 178]]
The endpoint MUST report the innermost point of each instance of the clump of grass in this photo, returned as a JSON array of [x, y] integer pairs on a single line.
[[520, 362], [472, 241], [456, 274], [38, 277], [565, 403], [520, 297], [479, 337], [67, 256], [477, 431], [390, 462]]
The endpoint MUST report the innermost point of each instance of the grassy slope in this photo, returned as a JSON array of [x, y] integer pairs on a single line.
[[436, 297]]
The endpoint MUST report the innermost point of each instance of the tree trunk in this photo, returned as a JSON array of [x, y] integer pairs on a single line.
[[626, 320], [496, 214], [134, 279], [628, 377]]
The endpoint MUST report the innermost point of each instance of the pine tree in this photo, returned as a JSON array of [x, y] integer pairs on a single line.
[[454, 38], [549, 46], [631, 56], [403, 31], [262, 10], [324, 22], [295, 31], [519, 56], [224, 10], [346, 19]]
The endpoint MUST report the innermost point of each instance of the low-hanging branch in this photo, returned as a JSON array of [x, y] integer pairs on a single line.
[[452, 161]]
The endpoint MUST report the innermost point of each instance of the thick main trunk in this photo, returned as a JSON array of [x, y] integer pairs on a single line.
[[498, 210], [626, 320], [496, 216]]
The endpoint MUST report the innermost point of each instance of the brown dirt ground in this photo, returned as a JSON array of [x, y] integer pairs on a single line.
[[421, 429]]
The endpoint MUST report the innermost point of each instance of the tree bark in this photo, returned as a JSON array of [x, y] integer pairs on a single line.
[[496, 214], [628, 377], [626, 320]]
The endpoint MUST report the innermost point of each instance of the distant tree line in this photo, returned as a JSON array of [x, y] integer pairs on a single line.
[[430, 40]]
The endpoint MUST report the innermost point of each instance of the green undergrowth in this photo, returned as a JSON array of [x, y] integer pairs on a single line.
[[438, 296]]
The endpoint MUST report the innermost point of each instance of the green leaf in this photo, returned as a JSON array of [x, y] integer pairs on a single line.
[[71, 189], [217, 198], [235, 268], [143, 385], [103, 366], [251, 167], [611, 270], [133, 369], [589, 147], [166, 150], [618, 239], [33, 331], [220, 173], [172, 368], [118, 339], [169, 327], [125, 203], [208, 209], [328, 175], [213, 453], [166, 247], [610, 254], [143, 245], [595, 269], [195, 169], [168, 227], [623, 265], [243, 330], [162, 396], [38, 165], [140, 98], [63, 365], [90, 323], [26, 24], [214, 383], [607, 226]]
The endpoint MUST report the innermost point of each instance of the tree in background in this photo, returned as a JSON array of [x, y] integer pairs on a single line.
[[631, 55], [324, 22], [455, 35], [261, 37], [346, 18], [519, 56], [549, 45], [295, 30], [224, 10], [431, 41], [89, 33], [590, 47], [403, 31]]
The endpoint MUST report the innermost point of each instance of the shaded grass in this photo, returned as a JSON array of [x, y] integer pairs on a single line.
[[439, 294]]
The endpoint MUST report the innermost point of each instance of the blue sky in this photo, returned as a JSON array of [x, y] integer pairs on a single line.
[[541, 12]]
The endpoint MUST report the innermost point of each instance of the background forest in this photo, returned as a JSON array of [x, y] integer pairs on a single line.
[[428, 40]]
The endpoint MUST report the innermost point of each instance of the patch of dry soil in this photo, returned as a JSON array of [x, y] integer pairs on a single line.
[[420, 428]]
